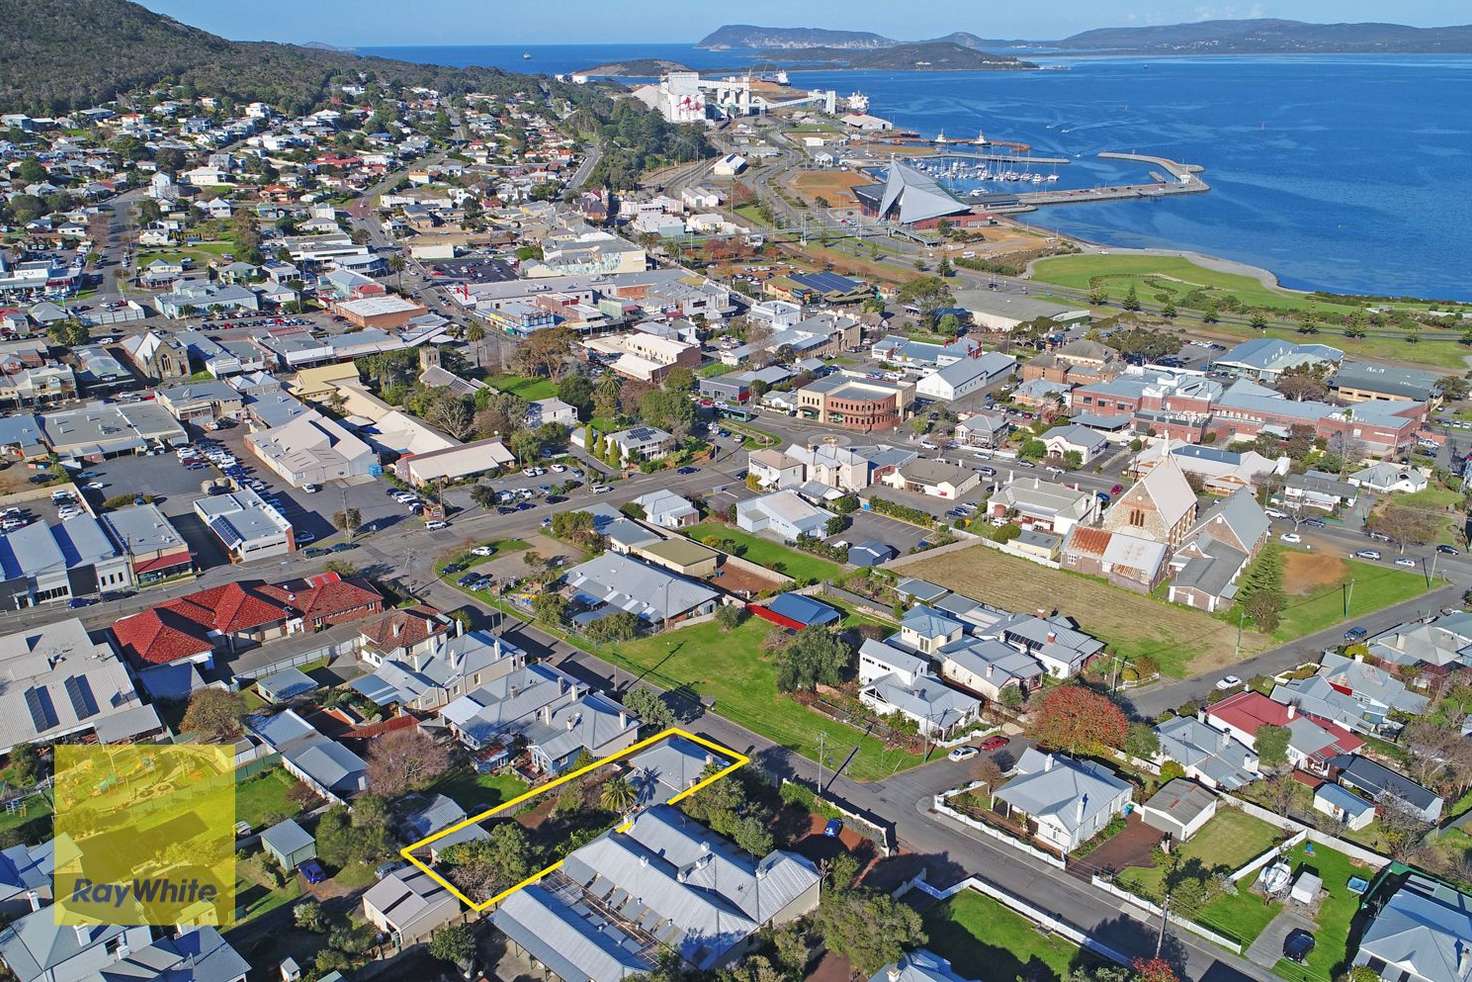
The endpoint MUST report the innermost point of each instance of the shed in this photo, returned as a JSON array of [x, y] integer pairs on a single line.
[[285, 686], [1349, 809], [796, 611], [1307, 887], [289, 843], [1179, 809]]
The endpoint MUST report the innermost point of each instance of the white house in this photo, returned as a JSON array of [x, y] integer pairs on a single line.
[[1064, 801], [784, 513]]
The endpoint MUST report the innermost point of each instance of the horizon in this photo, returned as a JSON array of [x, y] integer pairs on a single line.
[[442, 23]]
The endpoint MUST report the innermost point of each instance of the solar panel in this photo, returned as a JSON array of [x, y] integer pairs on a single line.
[[79, 691], [43, 713]]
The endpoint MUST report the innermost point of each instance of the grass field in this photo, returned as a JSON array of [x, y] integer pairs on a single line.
[[729, 668], [478, 792], [1443, 503], [1181, 640], [1429, 353], [773, 555], [1375, 587], [1336, 911], [1229, 840], [527, 388], [987, 941], [262, 801]]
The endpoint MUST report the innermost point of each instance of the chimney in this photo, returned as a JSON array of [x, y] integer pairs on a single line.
[[1048, 763], [1083, 802], [398, 628], [623, 720], [894, 973], [84, 934], [34, 899], [123, 949], [1292, 710], [547, 715], [643, 862], [1052, 636]]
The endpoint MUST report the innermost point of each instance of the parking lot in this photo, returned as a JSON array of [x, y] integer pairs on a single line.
[[869, 525]]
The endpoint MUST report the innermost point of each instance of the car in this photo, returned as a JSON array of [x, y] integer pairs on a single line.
[[505, 510], [993, 743], [529, 471], [468, 579], [1314, 523], [1228, 682], [315, 551], [1116, 489], [305, 538], [312, 871], [987, 471], [1446, 550], [455, 567], [962, 753], [1366, 554], [94, 485], [1292, 538], [1407, 561], [833, 828], [484, 551], [688, 470], [553, 499], [546, 523], [524, 505], [1298, 944], [310, 489], [1103, 497], [76, 602], [559, 468], [345, 547], [1379, 536], [1274, 513], [436, 525], [602, 488], [1356, 634], [389, 868]]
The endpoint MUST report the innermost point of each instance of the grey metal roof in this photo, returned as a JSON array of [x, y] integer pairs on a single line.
[[1424, 929], [287, 837], [572, 945], [1055, 785], [644, 590]]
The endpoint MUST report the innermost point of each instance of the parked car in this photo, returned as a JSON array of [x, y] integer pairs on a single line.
[[833, 828], [435, 526], [310, 488], [1446, 550], [1407, 561], [312, 871], [993, 743], [687, 469], [345, 547], [962, 753], [602, 488], [76, 602], [1298, 944], [315, 551], [1228, 682], [1367, 554], [1274, 513], [1292, 538], [1356, 634], [483, 551]]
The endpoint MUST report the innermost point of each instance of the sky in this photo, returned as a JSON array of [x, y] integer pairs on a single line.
[[408, 22]]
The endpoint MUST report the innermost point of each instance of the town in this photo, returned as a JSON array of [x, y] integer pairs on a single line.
[[428, 448]]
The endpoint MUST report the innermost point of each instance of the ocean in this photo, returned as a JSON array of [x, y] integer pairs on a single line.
[[1349, 173]]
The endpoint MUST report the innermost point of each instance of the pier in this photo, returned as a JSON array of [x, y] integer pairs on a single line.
[[998, 158], [1186, 180]]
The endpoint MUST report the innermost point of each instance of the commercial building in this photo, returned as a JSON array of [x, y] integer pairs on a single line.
[[1264, 359], [1358, 381], [44, 563], [385, 312], [246, 525], [313, 449], [107, 430], [856, 403], [909, 197], [997, 311], [200, 402], [454, 463], [967, 376]]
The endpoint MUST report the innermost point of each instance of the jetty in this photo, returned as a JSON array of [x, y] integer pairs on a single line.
[[1183, 179]]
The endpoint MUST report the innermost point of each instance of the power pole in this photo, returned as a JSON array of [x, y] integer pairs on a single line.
[[821, 735], [1348, 596]]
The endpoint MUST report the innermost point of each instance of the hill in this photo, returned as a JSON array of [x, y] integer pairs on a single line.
[[637, 67], [1271, 36], [919, 56], [748, 36], [77, 53]]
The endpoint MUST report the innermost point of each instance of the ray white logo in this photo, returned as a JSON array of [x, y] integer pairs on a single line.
[[149, 890]]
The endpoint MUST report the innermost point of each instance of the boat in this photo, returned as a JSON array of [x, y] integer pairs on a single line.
[[526, 55], [940, 137], [980, 138]]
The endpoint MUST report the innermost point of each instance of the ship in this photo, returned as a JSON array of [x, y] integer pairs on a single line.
[[527, 55]]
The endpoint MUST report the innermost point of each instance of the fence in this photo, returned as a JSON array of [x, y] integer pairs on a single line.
[[1008, 548], [1355, 852], [941, 806], [1180, 922], [325, 652], [1007, 899], [1256, 864], [873, 828], [867, 604], [1135, 762]]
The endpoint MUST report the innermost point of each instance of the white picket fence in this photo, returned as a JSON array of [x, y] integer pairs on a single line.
[[1175, 921], [941, 806], [1256, 864]]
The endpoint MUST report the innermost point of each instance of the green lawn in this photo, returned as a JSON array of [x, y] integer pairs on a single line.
[[527, 388], [764, 552], [34, 807], [728, 667], [253, 899], [1375, 587], [1336, 911], [987, 941], [262, 801], [479, 792], [1228, 841]]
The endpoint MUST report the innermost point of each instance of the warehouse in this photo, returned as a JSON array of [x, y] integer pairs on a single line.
[[454, 463], [385, 312]]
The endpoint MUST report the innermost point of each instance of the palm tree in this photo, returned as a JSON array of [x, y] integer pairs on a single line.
[[617, 795]]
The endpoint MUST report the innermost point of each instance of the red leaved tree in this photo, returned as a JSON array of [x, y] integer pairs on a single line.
[[1154, 970], [1071, 717]]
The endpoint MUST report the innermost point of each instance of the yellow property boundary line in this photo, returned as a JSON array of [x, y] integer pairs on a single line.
[[738, 760]]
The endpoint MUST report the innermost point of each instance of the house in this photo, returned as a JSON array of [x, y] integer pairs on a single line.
[[641, 443], [672, 766], [705, 897], [1073, 438], [485, 718], [38, 949], [667, 510], [927, 630], [1443, 643], [1389, 478], [1372, 687], [550, 410], [558, 735], [1349, 810], [1209, 755], [1065, 802], [1422, 932], [1319, 489], [330, 769], [611, 582], [26, 873], [1179, 809], [988, 667], [920, 965], [436, 672], [289, 844], [938, 711], [285, 685], [985, 430], [425, 814], [1055, 641], [1033, 502], [1318, 696], [1160, 507], [934, 478], [1387, 788], [60, 681], [1313, 743], [402, 632], [408, 905], [1220, 471], [783, 513]]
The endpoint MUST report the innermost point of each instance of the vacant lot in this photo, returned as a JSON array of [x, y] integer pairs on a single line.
[[729, 669], [987, 941], [1182, 641], [835, 186], [764, 552], [520, 385], [1318, 587], [262, 800]]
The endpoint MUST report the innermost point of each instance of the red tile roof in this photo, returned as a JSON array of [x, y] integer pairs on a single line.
[[1249, 710], [180, 628], [1090, 541], [325, 596], [160, 636], [414, 626]]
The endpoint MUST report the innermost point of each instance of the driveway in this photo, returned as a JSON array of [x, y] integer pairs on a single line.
[[1267, 949]]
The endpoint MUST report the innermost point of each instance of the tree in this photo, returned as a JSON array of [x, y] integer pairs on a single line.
[[576, 389], [1271, 743], [620, 626], [617, 795], [1452, 387], [1141, 741], [649, 707], [25, 765], [485, 867], [483, 495], [309, 916], [814, 656], [868, 927], [348, 520], [550, 608], [1301, 386], [1154, 970], [214, 713], [927, 294], [405, 760], [988, 772], [949, 325], [1260, 592], [453, 943], [1405, 526], [1033, 449], [606, 396], [730, 616], [1071, 717], [680, 379], [1131, 299]]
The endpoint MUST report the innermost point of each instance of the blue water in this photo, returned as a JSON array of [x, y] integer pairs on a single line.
[[1345, 173]]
